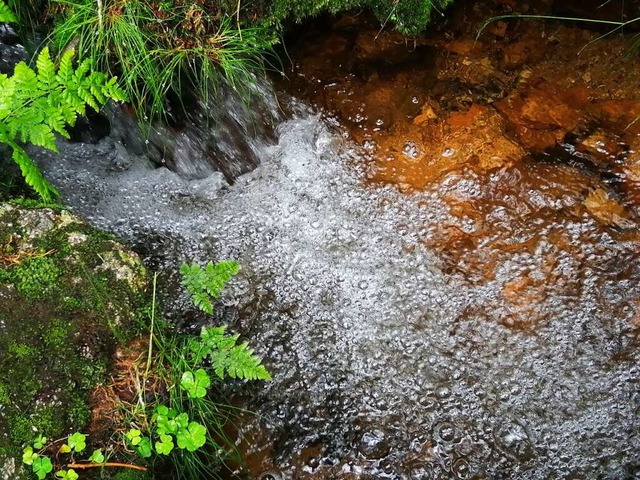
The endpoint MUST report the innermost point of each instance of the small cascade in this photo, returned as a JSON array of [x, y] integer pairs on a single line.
[[220, 134]]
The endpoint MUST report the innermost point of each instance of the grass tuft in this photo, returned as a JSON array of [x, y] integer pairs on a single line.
[[156, 50]]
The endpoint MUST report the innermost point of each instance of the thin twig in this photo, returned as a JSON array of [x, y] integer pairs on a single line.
[[81, 466]]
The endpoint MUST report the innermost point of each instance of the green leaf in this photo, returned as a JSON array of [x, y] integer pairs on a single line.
[[182, 420], [6, 15], [28, 455], [164, 445], [77, 442], [144, 448], [41, 466], [46, 71], [67, 474], [39, 442], [165, 419], [226, 357], [35, 106], [193, 437], [195, 383], [133, 436], [97, 457], [205, 284]]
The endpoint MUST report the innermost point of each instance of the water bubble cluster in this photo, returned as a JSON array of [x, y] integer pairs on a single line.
[[386, 363]]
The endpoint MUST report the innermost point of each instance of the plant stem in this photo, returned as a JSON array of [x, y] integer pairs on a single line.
[[81, 466], [153, 316]]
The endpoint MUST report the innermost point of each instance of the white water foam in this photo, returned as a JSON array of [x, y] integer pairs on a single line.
[[377, 355]]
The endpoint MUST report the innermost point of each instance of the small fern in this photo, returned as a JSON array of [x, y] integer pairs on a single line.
[[226, 355], [203, 284], [34, 105], [6, 15]]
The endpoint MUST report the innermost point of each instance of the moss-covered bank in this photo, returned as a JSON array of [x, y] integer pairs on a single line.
[[68, 295]]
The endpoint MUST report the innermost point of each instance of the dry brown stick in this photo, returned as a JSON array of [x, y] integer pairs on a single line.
[[106, 464]]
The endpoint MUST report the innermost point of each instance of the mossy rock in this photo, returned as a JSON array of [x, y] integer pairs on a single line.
[[68, 295]]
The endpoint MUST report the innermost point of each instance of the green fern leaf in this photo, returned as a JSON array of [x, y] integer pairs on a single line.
[[46, 70], [244, 364], [65, 69], [6, 15], [207, 283], [26, 81], [203, 302], [41, 135], [35, 106], [227, 357], [32, 174]]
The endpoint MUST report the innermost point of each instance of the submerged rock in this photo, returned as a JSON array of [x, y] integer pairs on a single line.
[[68, 294]]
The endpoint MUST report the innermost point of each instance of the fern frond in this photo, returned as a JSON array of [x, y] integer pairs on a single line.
[[46, 70], [227, 357], [205, 284], [32, 174], [65, 69], [6, 15], [36, 105]]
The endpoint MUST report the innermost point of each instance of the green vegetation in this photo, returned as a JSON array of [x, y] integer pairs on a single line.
[[60, 326], [35, 105], [155, 46], [6, 14], [173, 415], [186, 424], [206, 283], [159, 47], [408, 16]]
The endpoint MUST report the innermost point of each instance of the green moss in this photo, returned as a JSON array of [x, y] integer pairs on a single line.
[[63, 315], [132, 475], [37, 277]]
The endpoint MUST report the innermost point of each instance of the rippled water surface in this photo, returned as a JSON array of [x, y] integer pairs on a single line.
[[480, 328]]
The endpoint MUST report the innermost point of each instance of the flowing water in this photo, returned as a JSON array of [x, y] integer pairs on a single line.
[[480, 326]]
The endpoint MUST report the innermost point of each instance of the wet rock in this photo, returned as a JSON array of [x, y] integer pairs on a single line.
[[602, 148], [386, 46], [374, 445], [474, 138], [607, 210], [541, 113], [181, 145], [11, 51], [427, 113], [622, 113], [464, 46], [68, 294]]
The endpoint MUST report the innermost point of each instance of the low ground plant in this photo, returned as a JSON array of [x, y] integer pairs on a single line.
[[173, 416]]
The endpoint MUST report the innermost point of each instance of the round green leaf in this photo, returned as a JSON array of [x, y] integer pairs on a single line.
[[77, 442], [28, 455], [165, 445], [193, 437], [41, 466], [144, 448], [97, 457], [195, 383]]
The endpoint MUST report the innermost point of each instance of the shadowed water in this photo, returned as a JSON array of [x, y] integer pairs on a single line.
[[480, 328]]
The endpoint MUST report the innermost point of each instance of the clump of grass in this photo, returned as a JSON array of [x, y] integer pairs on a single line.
[[156, 47]]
